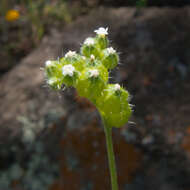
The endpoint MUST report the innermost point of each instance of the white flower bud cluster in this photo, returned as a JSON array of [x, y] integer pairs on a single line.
[[92, 57], [70, 54], [89, 41], [83, 57], [94, 73], [48, 63], [101, 31], [111, 50], [51, 81], [68, 70], [117, 87]]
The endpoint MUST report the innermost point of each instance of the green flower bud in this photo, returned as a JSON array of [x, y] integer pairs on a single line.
[[69, 75], [53, 74], [101, 38], [89, 48], [70, 54], [70, 58], [78, 61], [92, 61], [92, 81], [54, 83], [113, 105], [50, 68], [110, 58]]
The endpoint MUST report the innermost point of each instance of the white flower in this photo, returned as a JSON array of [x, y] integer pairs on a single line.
[[92, 57], [70, 53], [51, 81], [83, 57], [68, 70], [117, 87], [48, 63], [94, 73], [101, 31], [89, 41], [111, 50]]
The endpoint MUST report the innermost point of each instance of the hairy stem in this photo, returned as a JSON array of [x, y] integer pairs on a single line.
[[111, 158]]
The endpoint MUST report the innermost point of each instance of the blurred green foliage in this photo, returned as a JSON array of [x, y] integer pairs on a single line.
[[141, 3], [43, 13], [23, 23], [36, 16]]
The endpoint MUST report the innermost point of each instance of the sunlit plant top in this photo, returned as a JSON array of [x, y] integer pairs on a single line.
[[88, 72]]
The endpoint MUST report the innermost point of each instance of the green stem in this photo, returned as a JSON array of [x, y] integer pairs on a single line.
[[111, 158]]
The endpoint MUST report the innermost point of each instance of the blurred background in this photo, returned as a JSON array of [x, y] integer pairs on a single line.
[[55, 140]]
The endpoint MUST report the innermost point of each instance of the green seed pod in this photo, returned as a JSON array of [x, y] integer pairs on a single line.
[[117, 120], [110, 58], [92, 81], [113, 105]]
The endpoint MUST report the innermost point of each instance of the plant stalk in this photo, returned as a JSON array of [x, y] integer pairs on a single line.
[[111, 157]]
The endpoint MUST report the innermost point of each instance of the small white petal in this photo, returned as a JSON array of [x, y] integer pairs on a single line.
[[68, 70], [89, 41], [48, 63], [83, 57], [94, 73], [92, 57], [70, 53], [111, 50], [101, 31], [117, 87], [51, 81]]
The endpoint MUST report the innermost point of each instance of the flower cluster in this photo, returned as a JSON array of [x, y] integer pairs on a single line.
[[88, 72]]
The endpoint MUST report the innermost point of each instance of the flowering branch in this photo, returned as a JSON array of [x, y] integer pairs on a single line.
[[88, 72]]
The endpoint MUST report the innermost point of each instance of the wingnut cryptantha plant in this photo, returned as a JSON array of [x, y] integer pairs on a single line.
[[88, 72]]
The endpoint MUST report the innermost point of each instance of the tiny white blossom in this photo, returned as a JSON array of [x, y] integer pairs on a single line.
[[117, 87], [68, 70], [111, 50], [92, 57], [101, 31], [48, 63], [89, 41], [51, 81], [94, 73], [83, 57], [70, 53]]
